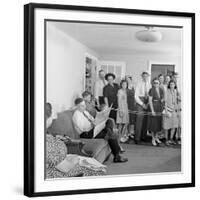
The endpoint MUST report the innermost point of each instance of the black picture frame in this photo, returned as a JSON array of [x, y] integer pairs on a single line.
[[29, 95]]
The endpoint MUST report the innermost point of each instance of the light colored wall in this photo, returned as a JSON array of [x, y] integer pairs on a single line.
[[65, 68], [137, 63]]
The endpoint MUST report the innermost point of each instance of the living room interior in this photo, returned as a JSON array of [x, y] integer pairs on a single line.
[[74, 47]]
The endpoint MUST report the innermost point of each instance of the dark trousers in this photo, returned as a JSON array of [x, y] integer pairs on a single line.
[[113, 142], [141, 124], [101, 100]]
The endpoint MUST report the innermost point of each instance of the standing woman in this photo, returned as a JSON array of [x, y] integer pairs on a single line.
[[122, 113], [166, 82], [156, 97], [170, 118], [131, 106]]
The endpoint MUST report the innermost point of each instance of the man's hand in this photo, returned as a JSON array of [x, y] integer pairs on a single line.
[[144, 106]]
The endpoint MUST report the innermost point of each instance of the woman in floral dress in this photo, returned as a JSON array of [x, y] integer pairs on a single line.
[[170, 118]]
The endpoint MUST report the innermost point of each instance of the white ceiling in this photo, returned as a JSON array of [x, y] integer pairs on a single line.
[[120, 39]]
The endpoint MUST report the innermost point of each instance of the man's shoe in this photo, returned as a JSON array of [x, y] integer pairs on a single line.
[[120, 159], [137, 142], [122, 151]]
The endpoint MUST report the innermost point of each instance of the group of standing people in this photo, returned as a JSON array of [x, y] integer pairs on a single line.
[[152, 108], [136, 110]]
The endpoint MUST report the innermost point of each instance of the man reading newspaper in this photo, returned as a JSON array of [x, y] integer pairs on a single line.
[[88, 127]]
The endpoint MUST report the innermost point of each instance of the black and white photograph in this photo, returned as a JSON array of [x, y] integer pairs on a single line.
[[112, 99]]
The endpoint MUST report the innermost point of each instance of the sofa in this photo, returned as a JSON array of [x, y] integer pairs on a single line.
[[63, 125]]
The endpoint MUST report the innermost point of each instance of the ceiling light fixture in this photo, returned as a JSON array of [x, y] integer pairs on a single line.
[[149, 35]]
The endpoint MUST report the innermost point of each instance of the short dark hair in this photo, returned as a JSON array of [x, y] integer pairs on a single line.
[[172, 81], [110, 123], [49, 105], [155, 79], [175, 73], [78, 101], [143, 73], [130, 77], [109, 74], [160, 75], [86, 93], [123, 81]]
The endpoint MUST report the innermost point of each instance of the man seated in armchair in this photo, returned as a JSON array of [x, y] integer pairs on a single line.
[[85, 123]]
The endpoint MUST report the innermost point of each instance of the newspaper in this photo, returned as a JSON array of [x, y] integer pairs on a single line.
[[100, 120]]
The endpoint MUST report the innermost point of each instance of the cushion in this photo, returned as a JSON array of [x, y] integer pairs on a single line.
[[68, 163], [93, 147], [63, 125], [56, 150], [76, 171]]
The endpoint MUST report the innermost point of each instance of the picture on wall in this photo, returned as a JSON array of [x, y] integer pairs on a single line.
[[112, 108]]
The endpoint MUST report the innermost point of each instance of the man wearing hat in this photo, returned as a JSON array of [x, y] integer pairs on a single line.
[[141, 98]]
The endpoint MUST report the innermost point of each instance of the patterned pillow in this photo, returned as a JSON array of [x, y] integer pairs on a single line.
[[56, 150], [76, 171]]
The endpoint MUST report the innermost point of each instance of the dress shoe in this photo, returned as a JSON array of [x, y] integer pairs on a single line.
[[137, 142], [154, 142], [120, 159], [157, 140], [122, 151], [124, 139], [167, 143]]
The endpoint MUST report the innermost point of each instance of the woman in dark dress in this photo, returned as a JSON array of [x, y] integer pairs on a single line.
[[110, 94], [156, 99], [131, 106]]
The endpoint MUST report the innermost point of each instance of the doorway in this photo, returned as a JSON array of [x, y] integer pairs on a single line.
[[90, 73], [165, 69]]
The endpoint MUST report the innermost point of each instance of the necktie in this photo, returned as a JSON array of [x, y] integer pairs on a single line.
[[145, 90], [88, 118], [104, 82]]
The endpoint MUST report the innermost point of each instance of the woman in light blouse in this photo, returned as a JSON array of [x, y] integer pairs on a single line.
[[170, 118]]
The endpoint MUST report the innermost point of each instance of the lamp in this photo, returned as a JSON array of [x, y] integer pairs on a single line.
[[149, 35]]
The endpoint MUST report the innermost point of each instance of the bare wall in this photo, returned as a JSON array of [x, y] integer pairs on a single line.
[[65, 68]]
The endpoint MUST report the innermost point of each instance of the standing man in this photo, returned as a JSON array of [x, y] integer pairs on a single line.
[[99, 85], [141, 98], [110, 92]]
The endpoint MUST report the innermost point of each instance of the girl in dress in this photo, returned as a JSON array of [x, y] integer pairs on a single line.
[[156, 99], [170, 118], [131, 106], [122, 113]]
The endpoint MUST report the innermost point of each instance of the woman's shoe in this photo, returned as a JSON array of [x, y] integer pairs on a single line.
[[167, 143], [121, 150], [179, 142], [124, 139], [154, 142], [157, 140], [172, 142], [131, 136]]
